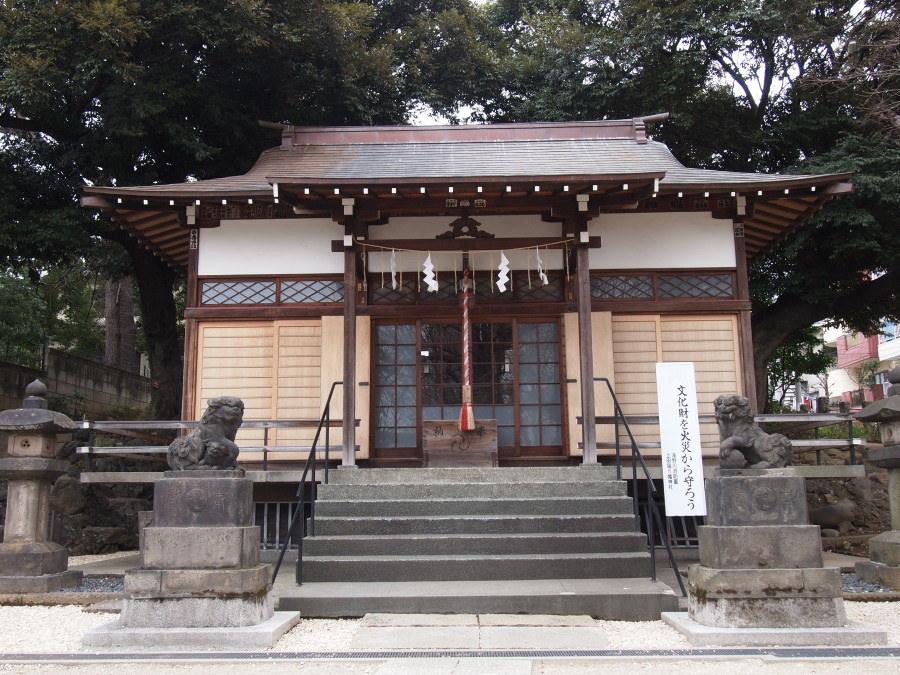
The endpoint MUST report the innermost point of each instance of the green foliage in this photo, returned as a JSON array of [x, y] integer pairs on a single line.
[[72, 405], [848, 243], [22, 312], [61, 309], [801, 354]]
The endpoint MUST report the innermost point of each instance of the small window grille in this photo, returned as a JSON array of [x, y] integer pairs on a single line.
[[622, 287], [695, 286], [237, 293], [553, 291], [312, 291], [405, 292]]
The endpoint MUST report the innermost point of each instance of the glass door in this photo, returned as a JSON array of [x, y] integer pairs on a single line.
[[516, 380]]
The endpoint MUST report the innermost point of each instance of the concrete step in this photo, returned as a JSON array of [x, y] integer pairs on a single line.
[[497, 525], [476, 567], [475, 544], [589, 472], [625, 599], [498, 490], [473, 507]]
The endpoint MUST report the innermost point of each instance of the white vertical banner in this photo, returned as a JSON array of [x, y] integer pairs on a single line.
[[679, 434]]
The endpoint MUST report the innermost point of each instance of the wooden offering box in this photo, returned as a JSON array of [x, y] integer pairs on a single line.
[[444, 445]]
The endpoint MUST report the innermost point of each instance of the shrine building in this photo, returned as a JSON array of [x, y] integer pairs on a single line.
[[340, 257]]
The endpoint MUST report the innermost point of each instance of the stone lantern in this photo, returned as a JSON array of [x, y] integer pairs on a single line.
[[884, 550], [29, 561]]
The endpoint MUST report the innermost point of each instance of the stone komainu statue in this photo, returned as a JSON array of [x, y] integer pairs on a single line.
[[211, 445], [742, 444]]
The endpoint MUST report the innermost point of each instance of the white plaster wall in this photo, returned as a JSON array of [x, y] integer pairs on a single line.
[[661, 240], [839, 381], [250, 247], [430, 227], [303, 246]]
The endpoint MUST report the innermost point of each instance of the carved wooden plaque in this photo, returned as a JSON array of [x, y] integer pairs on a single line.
[[444, 445]]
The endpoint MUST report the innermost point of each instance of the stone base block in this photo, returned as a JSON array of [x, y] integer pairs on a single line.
[[141, 583], [44, 583], [698, 635], [200, 547], [878, 573], [32, 558], [760, 547], [196, 612], [781, 598], [203, 498], [885, 548], [756, 497], [260, 636]]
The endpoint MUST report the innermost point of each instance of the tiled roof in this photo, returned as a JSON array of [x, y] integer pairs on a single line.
[[345, 161]]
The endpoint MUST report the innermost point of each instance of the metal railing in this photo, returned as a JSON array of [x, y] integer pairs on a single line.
[[300, 509], [654, 520]]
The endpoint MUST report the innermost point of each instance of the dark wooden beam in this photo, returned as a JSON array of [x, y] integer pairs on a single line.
[[585, 341], [463, 244], [348, 457]]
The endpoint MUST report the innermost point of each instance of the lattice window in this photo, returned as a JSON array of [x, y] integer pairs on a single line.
[[537, 291], [622, 287], [312, 291], [446, 291], [405, 292], [486, 288], [695, 286], [237, 293]]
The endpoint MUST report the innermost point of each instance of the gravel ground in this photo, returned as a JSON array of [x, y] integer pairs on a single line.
[[55, 629], [97, 585], [37, 629], [851, 584]]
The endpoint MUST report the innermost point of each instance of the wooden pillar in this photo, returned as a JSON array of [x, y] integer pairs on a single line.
[[585, 338], [192, 299], [745, 333], [348, 455]]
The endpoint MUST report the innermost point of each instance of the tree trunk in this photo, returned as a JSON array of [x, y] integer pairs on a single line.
[[155, 282], [774, 323], [121, 331]]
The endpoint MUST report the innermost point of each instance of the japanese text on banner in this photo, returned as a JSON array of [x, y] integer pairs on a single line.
[[679, 433]]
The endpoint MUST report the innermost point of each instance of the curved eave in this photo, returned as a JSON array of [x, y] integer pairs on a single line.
[[774, 206]]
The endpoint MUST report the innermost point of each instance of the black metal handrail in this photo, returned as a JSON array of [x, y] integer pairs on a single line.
[[653, 517], [308, 469]]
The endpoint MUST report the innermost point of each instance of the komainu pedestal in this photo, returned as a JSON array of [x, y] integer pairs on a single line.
[[199, 556], [760, 560], [760, 580], [200, 584]]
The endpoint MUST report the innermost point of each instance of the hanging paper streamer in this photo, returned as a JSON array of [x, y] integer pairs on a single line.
[[540, 267], [394, 270], [503, 273], [466, 414], [428, 274]]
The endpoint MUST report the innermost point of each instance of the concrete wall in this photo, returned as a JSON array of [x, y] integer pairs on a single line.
[[97, 389]]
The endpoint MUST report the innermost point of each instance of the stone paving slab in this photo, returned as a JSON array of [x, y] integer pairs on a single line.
[[479, 666], [853, 634], [376, 619], [542, 637], [416, 637], [535, 620], [477, 631]]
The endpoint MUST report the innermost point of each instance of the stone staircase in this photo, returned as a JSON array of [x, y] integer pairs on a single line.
[[547, 540]]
